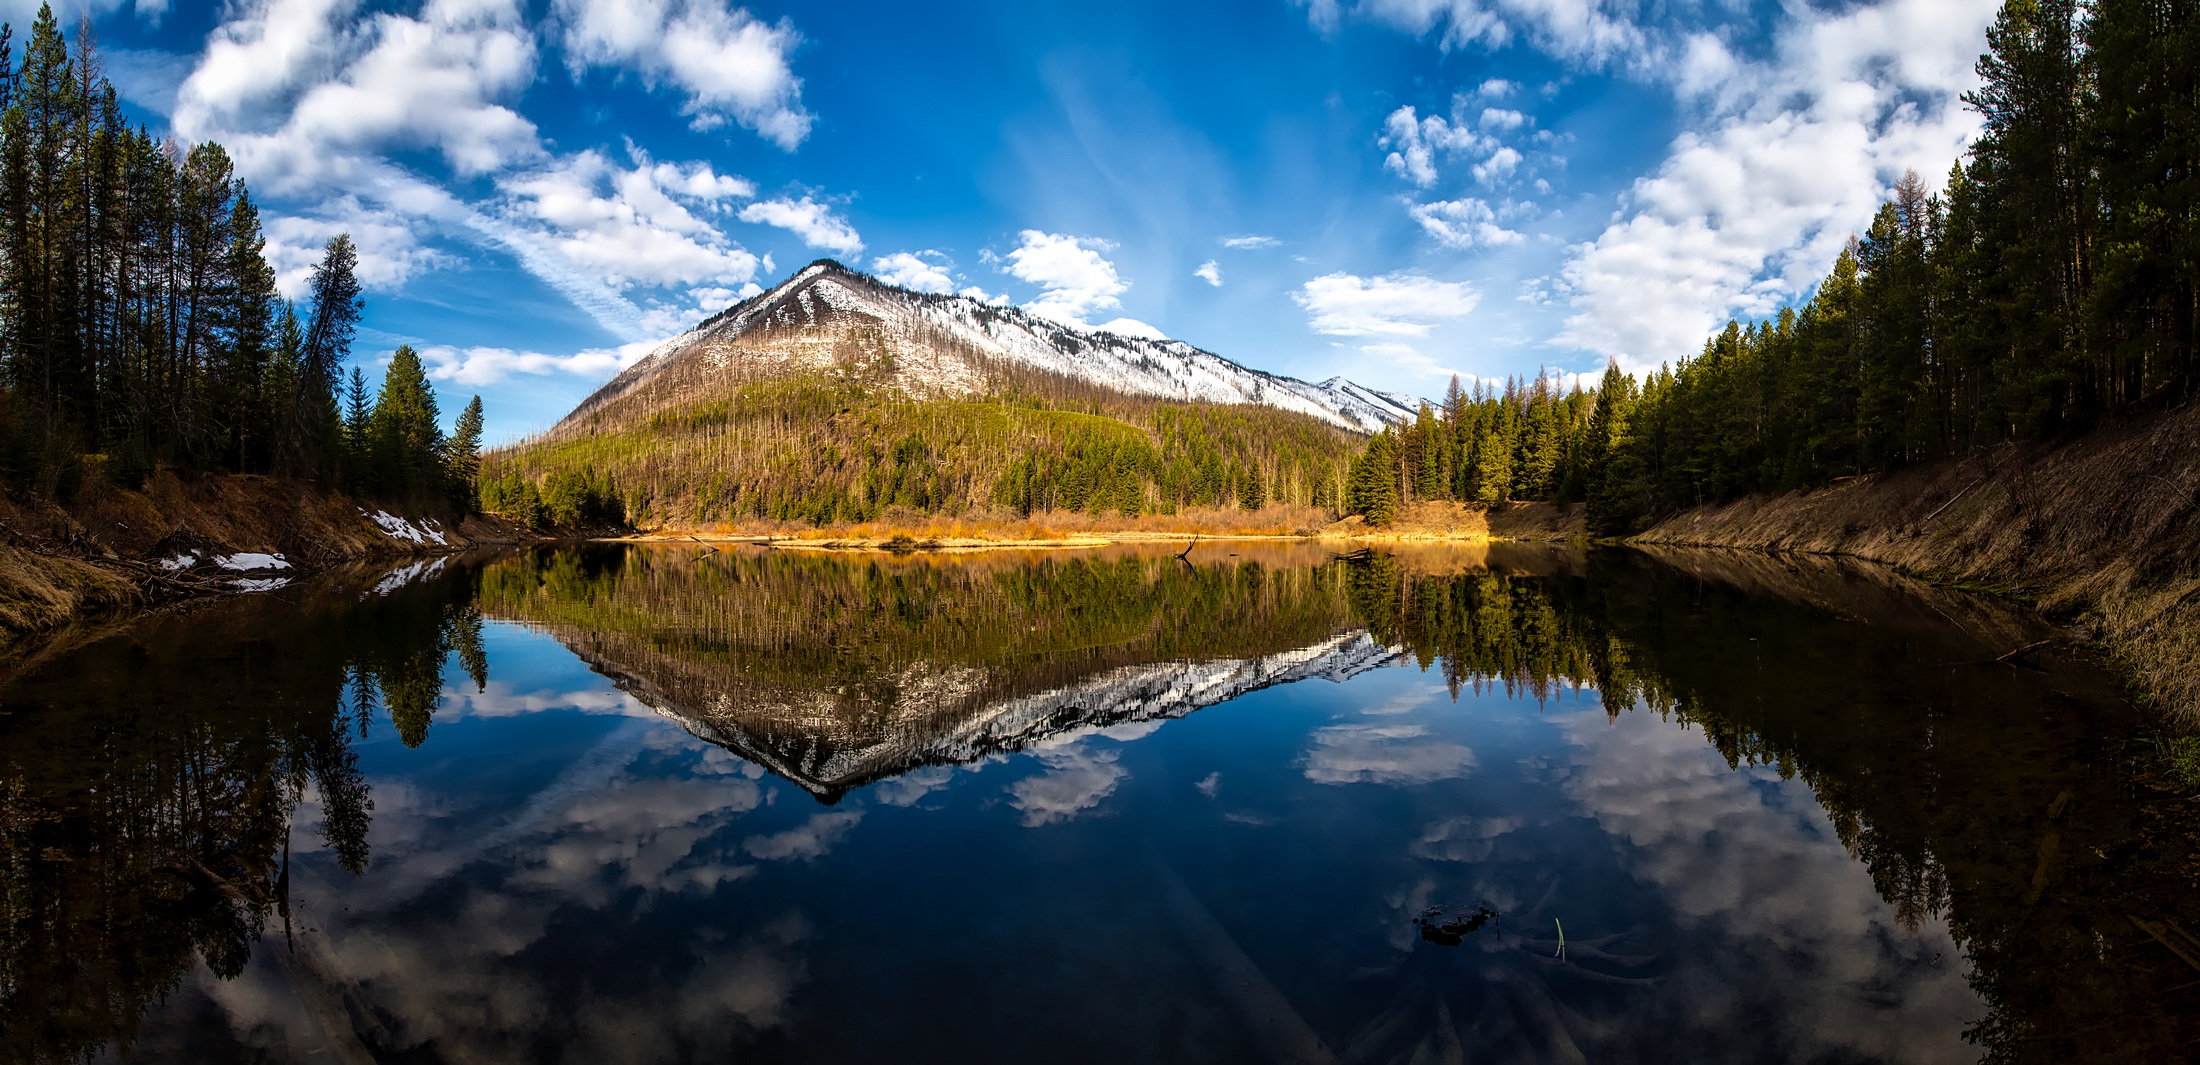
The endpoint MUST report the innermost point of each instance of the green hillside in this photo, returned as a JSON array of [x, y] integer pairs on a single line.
[[825, 450]]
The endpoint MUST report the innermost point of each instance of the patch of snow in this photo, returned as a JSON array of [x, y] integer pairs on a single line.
[[248, 561], [396, 528], [269, 584], [406, 574], [182, 561]]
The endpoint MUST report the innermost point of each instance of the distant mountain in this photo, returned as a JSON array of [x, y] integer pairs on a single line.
[[946, 347]]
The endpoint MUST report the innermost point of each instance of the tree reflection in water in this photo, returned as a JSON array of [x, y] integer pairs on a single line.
[[2018, 805], [149, 781]]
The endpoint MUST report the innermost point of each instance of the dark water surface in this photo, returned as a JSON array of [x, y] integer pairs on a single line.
[[676, 804]]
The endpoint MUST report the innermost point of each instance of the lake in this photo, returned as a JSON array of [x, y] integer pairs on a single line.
[[1265, 802]]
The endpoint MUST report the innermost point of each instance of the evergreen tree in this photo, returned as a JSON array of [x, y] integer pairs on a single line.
[[407, 439], [462, 453]]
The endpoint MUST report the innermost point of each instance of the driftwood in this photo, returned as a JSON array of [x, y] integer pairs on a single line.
[[1184, 555]]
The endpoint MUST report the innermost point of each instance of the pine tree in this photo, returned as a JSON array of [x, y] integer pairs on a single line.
[[462, 454], [313, 421], [407, 439]]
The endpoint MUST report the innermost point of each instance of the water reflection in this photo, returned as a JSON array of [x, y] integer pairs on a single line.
[[148, 784], [1775, 811]]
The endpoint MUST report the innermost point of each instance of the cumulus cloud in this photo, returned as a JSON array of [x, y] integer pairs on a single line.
[[1077, 280], [1074, 780], [318, 102], [1383, 754], [390, 253], [1463, 223], [1416, 142], [807, 841], [1210, 272], [628, 224], [915, 271], [489, 365], [398, 82], [1789, 156], [1400, 304], [1499, 166], [814, 222], [731, 65]]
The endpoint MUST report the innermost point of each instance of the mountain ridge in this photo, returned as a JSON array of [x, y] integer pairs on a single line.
[[951, 346]]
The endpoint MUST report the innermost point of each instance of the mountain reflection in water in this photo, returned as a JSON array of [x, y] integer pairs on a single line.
[[1778, 811]]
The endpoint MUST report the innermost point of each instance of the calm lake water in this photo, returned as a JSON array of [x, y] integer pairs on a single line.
[[639, 804]]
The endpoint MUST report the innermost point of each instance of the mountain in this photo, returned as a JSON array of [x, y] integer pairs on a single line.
[[935, 346], [937, 723], [835, 671]]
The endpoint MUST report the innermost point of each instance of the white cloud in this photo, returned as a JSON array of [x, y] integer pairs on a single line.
[[1464, 223], [814, 222], [1594, 31], [732, 65], [808, 841], [1415, 143], [628, 225], [1250, 242], [1791, 154], [1210, 272], [1074, 780], [390, 253], [1383, 754], [340, 85], [1399, 304], [1077, 280], [316, 101], [1501, 118], [1496, 89], [487, 365], [997, 299], [915, 271], [1499, 166]]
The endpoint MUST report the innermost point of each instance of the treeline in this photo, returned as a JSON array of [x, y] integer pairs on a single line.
[[826, 450], [2053, 284], [1525, 441], [140, 325]]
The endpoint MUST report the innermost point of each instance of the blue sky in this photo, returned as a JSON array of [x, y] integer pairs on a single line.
[[1392, 190]]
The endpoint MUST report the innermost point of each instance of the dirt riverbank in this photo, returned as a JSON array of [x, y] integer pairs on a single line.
[[111, 551], [2102, 529]]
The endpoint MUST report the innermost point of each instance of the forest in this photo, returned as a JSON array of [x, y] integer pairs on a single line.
[[846, 449], [2052, 286], [141, 327]]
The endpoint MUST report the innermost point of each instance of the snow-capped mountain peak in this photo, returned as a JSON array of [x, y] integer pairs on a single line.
[[948, 346]]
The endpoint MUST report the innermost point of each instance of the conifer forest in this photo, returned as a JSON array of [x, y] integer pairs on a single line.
[[2051, 286], [141, 327]]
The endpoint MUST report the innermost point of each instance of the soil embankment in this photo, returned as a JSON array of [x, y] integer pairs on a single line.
[[112, 550], [2104, 528]]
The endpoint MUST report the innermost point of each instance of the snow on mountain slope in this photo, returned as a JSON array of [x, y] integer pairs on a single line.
[[828, 316]]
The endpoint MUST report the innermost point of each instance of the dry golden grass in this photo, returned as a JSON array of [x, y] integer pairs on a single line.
[[38, 592]]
